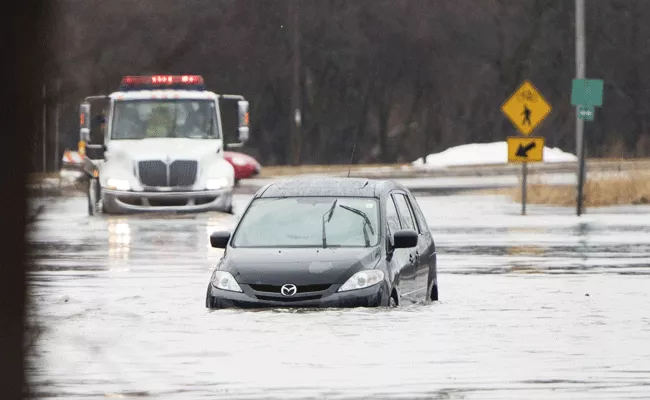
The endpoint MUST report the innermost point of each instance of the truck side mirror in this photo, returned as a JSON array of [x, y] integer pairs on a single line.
[[84, 122], [243, 121]]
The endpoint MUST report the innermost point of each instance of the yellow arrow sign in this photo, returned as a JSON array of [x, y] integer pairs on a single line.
[[526, 108], [525, 149]]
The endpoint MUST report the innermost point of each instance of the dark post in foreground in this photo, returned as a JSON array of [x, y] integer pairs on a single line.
[[580, 74], [22, 75]]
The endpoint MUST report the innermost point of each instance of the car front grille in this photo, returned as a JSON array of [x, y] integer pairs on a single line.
[[303, 292], [300, 288], [156, 173], [289, 299]]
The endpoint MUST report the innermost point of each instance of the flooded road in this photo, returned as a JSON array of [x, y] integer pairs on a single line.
[[545, 306]]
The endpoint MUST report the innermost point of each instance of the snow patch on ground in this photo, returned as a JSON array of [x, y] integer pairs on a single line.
[[483, 154]]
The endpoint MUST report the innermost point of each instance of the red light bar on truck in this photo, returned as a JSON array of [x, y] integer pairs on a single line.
[[150, 82]]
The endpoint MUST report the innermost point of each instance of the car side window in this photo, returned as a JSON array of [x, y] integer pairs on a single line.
[[391, 215], [408, 222], [419, 216]]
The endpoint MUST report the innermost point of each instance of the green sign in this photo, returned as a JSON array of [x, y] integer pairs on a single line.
[[587, 92], [586, 113]]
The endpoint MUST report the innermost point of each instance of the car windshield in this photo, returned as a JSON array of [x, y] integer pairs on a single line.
[[141, 119], [309, 222]]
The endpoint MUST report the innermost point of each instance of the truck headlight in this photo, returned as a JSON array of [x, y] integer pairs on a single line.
[[363, 279], [218, 183], [118, 184], [225, 281]]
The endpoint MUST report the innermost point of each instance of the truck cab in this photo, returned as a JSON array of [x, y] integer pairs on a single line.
[[161, 147]]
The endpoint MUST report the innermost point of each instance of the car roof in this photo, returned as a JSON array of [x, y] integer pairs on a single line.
[[328, 186]]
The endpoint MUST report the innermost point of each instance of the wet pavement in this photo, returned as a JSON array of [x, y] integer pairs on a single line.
[[547, 305]]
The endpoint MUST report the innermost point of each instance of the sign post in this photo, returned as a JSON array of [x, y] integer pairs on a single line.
[[586, 94], [526, 109]]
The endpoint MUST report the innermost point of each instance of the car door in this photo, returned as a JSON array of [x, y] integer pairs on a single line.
[[408, 222], [426, 249], [399, 260]]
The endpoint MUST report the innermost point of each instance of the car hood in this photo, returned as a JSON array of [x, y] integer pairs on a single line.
[[163, 148], [303, 266]]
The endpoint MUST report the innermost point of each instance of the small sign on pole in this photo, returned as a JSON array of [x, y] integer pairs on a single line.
[[586, 94], [525, 149], [586, 113]]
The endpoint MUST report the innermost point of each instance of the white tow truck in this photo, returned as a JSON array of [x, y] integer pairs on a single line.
[[160, 147]]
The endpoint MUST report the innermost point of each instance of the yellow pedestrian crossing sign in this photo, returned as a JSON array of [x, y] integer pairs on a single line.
[[526, 108]]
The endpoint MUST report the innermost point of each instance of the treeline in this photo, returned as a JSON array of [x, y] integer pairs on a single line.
[[400, 78]]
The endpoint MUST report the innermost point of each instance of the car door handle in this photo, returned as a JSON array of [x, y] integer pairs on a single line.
[[414, 258]]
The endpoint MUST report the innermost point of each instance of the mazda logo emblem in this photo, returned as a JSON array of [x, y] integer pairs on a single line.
[[288, 289]]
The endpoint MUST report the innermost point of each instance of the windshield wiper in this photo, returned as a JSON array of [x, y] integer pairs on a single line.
[[329, 218], [366, 222]]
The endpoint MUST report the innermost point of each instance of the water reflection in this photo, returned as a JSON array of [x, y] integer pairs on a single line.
[[119, 240], [510, 297], [582, 231]]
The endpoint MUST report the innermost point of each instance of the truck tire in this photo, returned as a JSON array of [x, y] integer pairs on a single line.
[[227, 208], [92, 194]]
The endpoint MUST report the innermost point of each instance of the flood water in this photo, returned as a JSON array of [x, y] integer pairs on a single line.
[[543, 306]]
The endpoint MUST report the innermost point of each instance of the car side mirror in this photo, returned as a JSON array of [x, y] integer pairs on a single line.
[[219, 239], [405, 239]]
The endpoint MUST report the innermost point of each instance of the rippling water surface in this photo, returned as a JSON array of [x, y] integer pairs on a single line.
[[547, 305]]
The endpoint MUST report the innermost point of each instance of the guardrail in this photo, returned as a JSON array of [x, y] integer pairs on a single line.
[[505, 169]]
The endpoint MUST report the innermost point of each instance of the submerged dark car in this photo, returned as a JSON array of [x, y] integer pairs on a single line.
[[330, 242]]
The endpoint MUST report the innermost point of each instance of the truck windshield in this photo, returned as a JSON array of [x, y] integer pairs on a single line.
[[142, 119], [309, 222]]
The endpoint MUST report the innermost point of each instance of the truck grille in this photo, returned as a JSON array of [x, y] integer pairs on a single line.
[[180, 173], [153, 173]]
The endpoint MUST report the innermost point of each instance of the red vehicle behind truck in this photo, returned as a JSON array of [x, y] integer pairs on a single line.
[[245, 166]]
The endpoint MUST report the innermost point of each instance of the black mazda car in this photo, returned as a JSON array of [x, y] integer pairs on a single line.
[[326, 242]]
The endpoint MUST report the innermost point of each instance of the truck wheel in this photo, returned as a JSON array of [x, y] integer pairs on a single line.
[[228, 206], [93, 196]]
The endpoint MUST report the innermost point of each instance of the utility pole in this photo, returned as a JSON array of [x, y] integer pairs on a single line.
[[296, 148], [57, 134], [44, 129], [580, 74]]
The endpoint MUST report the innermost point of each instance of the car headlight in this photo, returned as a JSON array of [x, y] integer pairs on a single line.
[[214, 184], [225, 281], [363, 279], [118, 184]]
